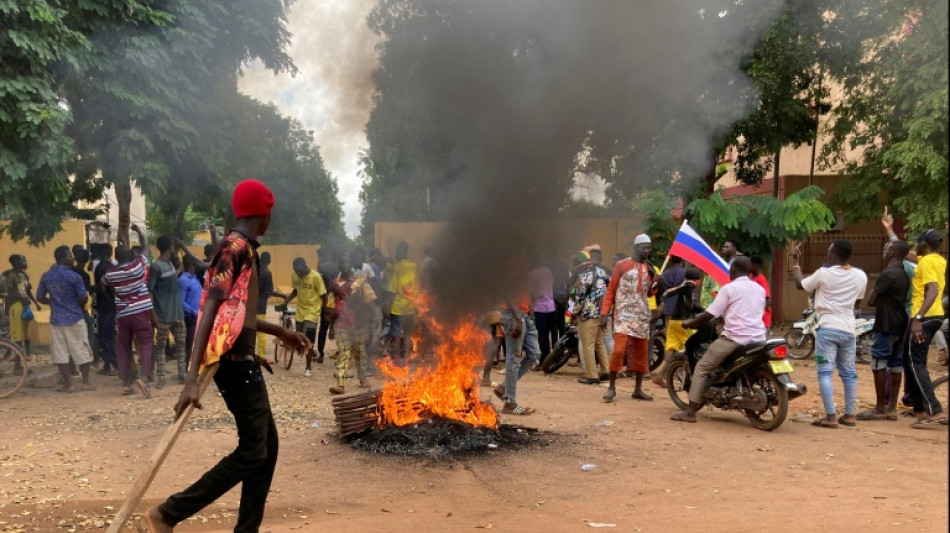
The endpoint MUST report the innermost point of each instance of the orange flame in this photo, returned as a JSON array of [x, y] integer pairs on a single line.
[[447, 388]]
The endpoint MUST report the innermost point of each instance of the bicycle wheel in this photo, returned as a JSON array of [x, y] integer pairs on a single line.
[[942, 390], [277, 352], [287, 355], [13, 368]]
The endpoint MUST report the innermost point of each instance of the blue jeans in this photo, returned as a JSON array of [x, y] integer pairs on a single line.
[[516, 364], [887, 352], [836, 349]]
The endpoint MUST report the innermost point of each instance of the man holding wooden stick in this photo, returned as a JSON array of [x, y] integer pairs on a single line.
[[226, 336]]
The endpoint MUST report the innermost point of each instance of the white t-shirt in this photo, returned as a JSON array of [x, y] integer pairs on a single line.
[[836, 289], [741, 303]]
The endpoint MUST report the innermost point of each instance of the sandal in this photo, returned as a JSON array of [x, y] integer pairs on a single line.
[[682, 417], [500, 393], [517, 410], [929, 423], [128, 391], [871, 414], [67, 390], [845, 422], [143, 387], [822, 424]]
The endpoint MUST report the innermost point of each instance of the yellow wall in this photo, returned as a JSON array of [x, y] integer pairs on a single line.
[[39, 259]]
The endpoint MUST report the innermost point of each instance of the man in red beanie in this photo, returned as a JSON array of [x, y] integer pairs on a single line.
[[226, 334]]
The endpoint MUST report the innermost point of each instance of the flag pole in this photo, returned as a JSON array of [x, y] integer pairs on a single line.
[[667, 260]]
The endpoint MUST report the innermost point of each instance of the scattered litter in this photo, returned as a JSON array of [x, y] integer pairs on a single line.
[[600, 524], [606, 423], [588, 467], [492, 446], [315, 424]]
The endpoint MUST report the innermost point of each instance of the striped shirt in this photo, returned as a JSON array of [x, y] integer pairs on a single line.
[[131, 292]]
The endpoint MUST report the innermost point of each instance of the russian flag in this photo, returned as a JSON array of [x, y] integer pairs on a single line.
[[691, 247]]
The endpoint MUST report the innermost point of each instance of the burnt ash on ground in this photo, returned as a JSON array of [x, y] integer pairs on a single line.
[[440, 438]]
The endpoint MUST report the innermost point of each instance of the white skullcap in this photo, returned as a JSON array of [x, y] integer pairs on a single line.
[[641, 239]]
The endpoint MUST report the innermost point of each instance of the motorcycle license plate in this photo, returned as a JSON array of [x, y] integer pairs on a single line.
[[780, 367]]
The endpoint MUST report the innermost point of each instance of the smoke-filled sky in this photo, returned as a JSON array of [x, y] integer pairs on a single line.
[[331, 95]]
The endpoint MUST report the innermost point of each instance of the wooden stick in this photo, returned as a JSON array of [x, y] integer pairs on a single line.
[[145, 478], [665, 261]]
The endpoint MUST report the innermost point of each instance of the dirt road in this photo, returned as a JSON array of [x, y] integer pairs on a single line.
[[67, 460]]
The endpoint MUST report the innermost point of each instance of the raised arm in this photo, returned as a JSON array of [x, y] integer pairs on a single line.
[[888, 222], [199, 263], [143, 242]]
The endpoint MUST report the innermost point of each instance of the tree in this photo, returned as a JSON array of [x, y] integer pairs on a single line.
[[145, 97], [890, 130], [761, 223], [36, 154]]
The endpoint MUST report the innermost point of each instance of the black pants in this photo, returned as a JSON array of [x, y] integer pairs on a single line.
[[918, 382], [547, 331], [106, 339], [322, 332], [251, 464], [191, 322]]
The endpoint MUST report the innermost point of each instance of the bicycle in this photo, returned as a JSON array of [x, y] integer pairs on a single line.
[[942, 390], [13, 368], [283, 352]]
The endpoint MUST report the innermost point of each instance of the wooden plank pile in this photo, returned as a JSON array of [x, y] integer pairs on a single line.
[[356, 413]]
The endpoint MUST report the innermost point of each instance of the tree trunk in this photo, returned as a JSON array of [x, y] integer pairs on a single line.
[[180, 222], [123, 197], [775, 172]]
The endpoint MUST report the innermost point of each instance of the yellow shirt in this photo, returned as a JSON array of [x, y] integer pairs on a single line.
[[652, 300], [402, 284], [309, 290], [931, 268]]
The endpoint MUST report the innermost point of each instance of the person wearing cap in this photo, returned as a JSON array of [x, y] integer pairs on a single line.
[[627, 301], [926, 317], [226, 335], [590, 289]]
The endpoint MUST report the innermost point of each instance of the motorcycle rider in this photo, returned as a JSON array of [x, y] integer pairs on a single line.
[[740, 303]]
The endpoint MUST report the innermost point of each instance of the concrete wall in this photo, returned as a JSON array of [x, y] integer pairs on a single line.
[[39, 259]]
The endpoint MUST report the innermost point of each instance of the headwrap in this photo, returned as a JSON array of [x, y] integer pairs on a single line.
[[582, 257], [252, 199], [592, 248]]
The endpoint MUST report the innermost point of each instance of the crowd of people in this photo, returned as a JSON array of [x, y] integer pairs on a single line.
[[366, 303], [198, 312]]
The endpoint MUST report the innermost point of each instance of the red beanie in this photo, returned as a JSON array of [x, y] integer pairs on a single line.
[[252, 199]]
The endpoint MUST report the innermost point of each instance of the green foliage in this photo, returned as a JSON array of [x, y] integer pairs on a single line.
[[36, 154], [760, 223], [891, 57], [656, 207]]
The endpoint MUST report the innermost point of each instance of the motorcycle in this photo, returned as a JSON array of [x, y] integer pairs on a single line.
[[801, 337], [567, 346], [754, 379], [863, 331]]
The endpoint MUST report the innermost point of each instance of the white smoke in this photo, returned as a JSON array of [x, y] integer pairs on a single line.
[[331, 95]]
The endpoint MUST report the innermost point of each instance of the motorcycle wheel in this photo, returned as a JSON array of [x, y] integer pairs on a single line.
[[775, 412], [676, 383], [800, 344], [657, 351], [556, 359], [863, 352]]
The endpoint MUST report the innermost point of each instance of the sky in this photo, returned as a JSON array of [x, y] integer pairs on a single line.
[[332, 92]]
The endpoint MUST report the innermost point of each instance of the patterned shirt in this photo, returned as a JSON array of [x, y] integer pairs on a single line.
[[628, 297], [591, 284], [131, 292], [64, 288], [227, 279]]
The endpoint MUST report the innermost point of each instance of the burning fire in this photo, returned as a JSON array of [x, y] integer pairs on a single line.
[[446, 387]]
